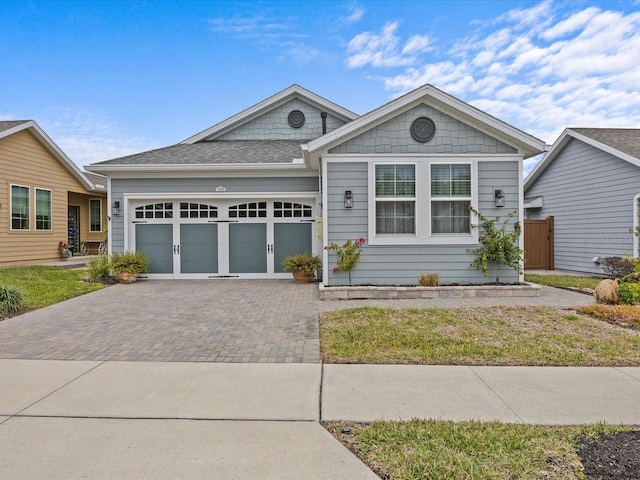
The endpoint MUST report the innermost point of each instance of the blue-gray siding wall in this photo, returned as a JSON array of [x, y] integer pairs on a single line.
[[452, 136], [274, 125], [402, 264], [205, 186], [590, 195]]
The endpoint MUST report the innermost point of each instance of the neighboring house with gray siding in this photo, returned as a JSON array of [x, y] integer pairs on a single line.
[[271, 181], [589, 181]]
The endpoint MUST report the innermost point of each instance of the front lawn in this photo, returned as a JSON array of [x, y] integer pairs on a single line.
[[475, 336], [41, 286], [563, 281], [445, 450]]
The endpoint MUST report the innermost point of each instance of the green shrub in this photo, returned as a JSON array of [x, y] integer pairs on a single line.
[[629, 293], [302, 262], [130, 262], [100, 269], [429, 280], [10, 300]]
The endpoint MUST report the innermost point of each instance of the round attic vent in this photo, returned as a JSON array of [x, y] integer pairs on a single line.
[[296, 119], [423, 129]]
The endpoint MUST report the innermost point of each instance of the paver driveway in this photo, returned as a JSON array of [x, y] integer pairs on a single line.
[[178, 320]]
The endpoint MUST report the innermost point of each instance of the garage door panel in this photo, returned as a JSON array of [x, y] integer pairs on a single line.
[[248, 248], [157, 242], [290, 239], [199, 248]]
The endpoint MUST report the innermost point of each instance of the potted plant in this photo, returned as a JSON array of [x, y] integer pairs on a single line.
[[128, 265], [303, 266]]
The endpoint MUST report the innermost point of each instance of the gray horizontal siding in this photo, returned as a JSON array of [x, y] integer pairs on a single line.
[[590, 195], [452, 136], [274, 124], [403, 264]]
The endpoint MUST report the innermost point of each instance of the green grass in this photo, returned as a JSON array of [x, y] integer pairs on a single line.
[[566, 281], [475, 336], [445, 450], [42, 286]]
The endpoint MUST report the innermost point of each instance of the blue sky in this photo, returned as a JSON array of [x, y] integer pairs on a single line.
[[110, 78]]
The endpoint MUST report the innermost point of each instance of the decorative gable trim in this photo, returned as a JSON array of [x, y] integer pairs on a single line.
[[562, 141], [526, 144], [280, 98], [50, 145]]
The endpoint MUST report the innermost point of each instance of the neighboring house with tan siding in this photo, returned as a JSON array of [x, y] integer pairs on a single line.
[[45, 198]]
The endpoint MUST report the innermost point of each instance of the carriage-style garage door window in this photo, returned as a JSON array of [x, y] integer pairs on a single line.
[[395, 199], [450, 198]]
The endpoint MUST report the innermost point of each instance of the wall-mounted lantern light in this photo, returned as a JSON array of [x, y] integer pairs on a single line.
[[115, 208], [500, 197], [348, 199]]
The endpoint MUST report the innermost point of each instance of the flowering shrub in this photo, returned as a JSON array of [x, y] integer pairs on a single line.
[[498, 245], [348, 255]]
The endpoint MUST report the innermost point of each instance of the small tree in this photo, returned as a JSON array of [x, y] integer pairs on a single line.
[[498, 245], [348, 255]]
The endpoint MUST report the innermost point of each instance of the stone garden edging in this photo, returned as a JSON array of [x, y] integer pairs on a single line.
[[408, 292]]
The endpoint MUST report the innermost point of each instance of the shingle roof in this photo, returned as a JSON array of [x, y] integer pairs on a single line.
[[96, 179], [626, 140], [217, 152], [8, 124]]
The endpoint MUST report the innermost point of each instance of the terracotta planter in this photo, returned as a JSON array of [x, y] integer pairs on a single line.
[[125, 277], [303, 277]]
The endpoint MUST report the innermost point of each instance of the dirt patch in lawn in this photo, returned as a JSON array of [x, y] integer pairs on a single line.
[[612, 457]]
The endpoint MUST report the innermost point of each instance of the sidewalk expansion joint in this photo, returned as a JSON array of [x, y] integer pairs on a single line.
[[496, 394], [186, 419], [59, 388]]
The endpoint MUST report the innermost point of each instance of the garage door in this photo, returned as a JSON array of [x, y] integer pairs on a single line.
[[222, 238]]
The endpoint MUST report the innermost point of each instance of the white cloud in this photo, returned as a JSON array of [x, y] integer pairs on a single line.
[[385, 49], [542, 69], [355, 14], [87, 137]]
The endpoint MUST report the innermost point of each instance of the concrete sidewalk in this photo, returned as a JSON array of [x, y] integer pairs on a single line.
[[131, 420]]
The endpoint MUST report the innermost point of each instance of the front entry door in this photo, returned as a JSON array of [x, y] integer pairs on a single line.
[[222, 238]]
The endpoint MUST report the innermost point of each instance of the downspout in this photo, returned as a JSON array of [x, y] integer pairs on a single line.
[[636, 225]]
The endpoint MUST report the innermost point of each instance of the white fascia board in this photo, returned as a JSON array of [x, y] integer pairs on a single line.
[[605, 148], [185, 171], [527, 144], [22, 126], [552, 152], [400, 157], [559, 145], [50, 145], [268, 104]]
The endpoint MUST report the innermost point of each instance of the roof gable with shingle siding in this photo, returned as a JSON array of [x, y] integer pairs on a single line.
[[451, 136]]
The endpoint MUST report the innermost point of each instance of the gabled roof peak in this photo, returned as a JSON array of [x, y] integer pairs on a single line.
[[293, 91]]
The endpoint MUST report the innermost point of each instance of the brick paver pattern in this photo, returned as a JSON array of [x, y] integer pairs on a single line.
[[257, 321], [239, 321]]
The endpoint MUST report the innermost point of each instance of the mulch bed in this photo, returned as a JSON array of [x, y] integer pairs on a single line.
[[612, 457]]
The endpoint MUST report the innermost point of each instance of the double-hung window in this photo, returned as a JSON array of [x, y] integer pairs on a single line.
[[43, 209], [19, 207], [95, 215], [450, 198], [395, 199]]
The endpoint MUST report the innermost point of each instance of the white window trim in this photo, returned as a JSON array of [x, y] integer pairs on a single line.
[[11, 208], [35, 209], [423, 235], [470, 198], [101, 226]]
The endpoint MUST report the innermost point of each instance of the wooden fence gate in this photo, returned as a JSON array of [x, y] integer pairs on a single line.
[[538, 244]]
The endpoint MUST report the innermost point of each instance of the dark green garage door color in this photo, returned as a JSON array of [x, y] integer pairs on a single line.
[[248, 248], [290, 239], [199, 248], [157, 242]]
